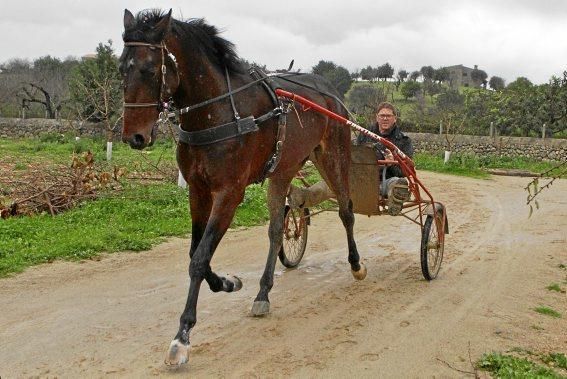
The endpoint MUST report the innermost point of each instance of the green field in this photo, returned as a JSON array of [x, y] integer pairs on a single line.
[[143, 212]]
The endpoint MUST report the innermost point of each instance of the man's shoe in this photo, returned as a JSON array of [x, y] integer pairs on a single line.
[[398, 193]]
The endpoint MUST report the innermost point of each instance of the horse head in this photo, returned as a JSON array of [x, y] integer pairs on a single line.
[[150, 76]]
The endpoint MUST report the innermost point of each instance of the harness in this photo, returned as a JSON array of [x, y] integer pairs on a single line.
[[239, 126], [236, 128]]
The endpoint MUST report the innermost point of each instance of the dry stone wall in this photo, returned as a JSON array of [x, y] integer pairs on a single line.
[[35, 127], [536, 148]]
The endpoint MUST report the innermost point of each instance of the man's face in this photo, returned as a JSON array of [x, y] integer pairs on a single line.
[[386, 120]]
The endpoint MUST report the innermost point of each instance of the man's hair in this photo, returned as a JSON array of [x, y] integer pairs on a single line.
[[387, 105]]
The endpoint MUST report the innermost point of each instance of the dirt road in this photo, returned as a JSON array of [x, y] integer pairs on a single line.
[[117, 316]]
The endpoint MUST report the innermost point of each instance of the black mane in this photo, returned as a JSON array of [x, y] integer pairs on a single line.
[[195, 32]]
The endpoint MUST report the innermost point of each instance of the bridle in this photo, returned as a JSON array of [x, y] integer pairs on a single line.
[[163, 103]]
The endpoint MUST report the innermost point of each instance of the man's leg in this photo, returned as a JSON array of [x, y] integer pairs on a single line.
[[397, 192]]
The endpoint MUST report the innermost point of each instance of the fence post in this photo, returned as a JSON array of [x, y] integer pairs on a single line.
[[440, 127], [181, 181], [108, 151], [543, 130], [492, 129]]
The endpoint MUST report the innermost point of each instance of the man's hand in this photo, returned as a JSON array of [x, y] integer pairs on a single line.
[[389, 156]]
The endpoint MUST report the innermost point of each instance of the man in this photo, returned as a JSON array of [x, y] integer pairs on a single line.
[[395, 187]]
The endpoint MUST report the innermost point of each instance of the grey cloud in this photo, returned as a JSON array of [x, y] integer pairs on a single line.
[[407, 34]]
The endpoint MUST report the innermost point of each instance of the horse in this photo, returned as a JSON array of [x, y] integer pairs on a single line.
[[232, 138]]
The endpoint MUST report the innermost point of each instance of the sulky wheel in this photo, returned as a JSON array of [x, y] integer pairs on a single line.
[[295, 236], [432, 246]]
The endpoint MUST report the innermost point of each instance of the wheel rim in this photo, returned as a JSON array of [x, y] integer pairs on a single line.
[[294, 235], [434, 249]]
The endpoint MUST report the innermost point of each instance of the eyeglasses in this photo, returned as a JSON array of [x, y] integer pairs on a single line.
[[386, 116]]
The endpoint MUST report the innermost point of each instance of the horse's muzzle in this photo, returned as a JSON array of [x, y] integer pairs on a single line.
[[138, 141]]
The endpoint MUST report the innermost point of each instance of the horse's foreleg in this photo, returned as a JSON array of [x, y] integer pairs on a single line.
[[200, 203], [222, 212], [276, 202]]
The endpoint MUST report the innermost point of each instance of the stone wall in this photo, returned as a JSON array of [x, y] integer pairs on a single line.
[[535, 148], [35, 127]]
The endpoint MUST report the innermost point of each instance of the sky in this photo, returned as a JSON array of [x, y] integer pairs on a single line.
[[506, 38]]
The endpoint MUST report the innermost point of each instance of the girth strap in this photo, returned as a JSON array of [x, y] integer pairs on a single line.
[[269, 86]]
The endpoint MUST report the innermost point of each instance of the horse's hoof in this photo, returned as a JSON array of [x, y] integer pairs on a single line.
[[260, 308], [360, 274], [237, 283], [177, 354]]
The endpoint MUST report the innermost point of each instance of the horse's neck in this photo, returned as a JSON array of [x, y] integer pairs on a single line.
[[201, 80]]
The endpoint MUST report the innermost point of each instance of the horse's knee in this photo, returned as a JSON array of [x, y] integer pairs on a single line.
[[275, 230], [197, 268]]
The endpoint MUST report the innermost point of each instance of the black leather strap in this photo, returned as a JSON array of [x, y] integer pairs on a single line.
[[219, 133]]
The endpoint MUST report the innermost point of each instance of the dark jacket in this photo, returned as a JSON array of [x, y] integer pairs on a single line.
[[396, 136]]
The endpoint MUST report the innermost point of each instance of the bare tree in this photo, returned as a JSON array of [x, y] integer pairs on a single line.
[[47, 84], [96, 89]]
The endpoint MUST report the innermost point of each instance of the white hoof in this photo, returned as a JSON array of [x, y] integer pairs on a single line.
[[177, 354], [236, 281], [260, 308], [360, 274]]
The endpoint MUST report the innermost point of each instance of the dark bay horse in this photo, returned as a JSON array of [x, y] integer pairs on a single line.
[[187, 62]]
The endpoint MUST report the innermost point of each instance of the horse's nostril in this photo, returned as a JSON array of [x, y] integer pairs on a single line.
[[137, 141]]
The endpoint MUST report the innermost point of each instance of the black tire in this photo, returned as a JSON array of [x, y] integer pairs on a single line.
[[294, 236], [431, 247]]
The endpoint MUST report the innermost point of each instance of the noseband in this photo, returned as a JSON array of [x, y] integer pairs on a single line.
[[163, 103]]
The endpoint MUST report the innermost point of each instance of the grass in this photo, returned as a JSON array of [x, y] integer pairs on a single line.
[[58, 149], [548, 312], [508, 366], [556, 359], [459, 165], [141, 215], [137, 219], [475, 166], [554, 287]]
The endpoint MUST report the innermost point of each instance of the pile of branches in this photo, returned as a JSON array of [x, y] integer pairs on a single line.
[[56, 189]]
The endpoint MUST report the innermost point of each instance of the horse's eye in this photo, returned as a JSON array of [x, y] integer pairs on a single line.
[[148, 70]]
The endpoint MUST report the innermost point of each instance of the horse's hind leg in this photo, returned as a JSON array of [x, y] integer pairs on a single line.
[[335, 166], [276, 203]]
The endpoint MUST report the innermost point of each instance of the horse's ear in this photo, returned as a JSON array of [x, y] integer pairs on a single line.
[[129, 20], [162, 26]]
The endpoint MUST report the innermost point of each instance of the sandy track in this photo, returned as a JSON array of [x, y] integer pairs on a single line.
[[117, 316]]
